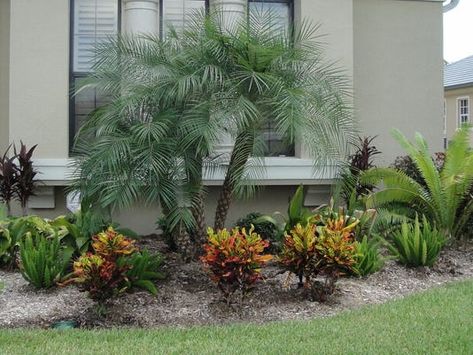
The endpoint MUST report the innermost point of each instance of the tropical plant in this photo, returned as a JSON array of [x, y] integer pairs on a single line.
[[279, 77], [299, 249], [102, 278], [43, 260], [445, 198], [7, 179], [172, 100], [368, 259], [115, 266], [349, 186], [266, 229], [296, 213], [25, 175], [5, 243], [144, 269], [234, 260], [17, 176], [417, 244]]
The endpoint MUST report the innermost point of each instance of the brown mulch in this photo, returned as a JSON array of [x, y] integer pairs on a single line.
[[187, 296]]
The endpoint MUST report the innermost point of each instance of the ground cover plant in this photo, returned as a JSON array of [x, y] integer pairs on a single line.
[[439, 321]]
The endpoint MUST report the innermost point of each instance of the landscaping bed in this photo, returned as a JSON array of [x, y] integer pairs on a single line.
[[187, 297]]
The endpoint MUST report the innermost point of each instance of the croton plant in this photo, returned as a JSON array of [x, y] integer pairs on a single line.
[[234, 259]]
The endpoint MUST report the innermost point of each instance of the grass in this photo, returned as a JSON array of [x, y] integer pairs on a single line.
[[439, 321]]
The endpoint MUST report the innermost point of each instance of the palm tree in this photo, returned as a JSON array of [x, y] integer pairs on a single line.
[[279, 77], [172, 99], [445, 198]]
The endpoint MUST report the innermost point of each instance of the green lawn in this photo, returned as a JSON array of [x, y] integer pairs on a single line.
[[436, 322]]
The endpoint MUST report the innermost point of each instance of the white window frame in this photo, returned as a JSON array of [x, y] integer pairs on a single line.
[[459, 115]]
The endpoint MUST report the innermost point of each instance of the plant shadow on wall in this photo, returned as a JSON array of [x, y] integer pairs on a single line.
[[173, 100]]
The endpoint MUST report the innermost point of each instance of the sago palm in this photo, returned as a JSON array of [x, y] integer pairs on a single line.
[[445, 199]]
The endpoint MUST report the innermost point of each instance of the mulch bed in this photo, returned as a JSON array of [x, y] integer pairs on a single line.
[[187, 297]]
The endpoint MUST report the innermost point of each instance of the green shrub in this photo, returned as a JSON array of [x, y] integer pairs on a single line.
[[144, 268], [43, 260], [264, 228], [417, 245], [368, 259]]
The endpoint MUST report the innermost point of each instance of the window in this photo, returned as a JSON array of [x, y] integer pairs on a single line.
[[175, 12], [463, 110], [92, 21], [282, 10]]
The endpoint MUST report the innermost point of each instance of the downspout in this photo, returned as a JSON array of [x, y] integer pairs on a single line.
[[450, 5]]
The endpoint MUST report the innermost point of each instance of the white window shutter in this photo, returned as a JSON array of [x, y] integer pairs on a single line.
[[94, 21]]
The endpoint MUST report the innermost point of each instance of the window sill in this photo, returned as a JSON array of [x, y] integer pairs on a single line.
[[274, 171]]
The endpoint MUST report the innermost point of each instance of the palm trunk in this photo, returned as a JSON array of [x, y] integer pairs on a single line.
[[240, 154]]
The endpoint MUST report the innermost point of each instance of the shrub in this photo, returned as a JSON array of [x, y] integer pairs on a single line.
[[417, 245], [313, 251], [144, 268], [298, 249], [43, 261], [368, 260], [5, 243], [234, 259], [264, 228], [102, 278], [17, 176], [444, 199], [115, 266]]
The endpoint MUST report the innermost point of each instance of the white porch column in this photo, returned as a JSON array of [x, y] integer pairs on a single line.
[[234, 10], [141, 16]]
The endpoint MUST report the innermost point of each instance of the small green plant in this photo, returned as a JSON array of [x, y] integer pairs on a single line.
[[417, 245], [144, 268], [43, 260], [266, 229], [368, 260]]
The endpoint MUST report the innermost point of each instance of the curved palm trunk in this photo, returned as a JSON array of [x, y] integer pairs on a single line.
[[198, 208], [240, 154]]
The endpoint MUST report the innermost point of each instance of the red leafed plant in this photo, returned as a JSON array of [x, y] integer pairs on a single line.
[[104, 273], [234, 259]]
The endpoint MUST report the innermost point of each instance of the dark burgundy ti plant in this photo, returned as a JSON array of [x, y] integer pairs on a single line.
[[7, 179], [25, 175], [17, 177]]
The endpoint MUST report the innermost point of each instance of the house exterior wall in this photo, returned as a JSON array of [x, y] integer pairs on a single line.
[[451, 109], [390, 49], [4, 72], [398, 70], [39, 75]]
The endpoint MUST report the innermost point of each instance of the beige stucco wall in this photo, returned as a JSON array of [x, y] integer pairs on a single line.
[[451, 109], [4, 72], [39, 81], [398, 71], [142, 218]]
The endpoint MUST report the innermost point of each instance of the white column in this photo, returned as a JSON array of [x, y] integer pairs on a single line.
[[141, 16], [233, 10]]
